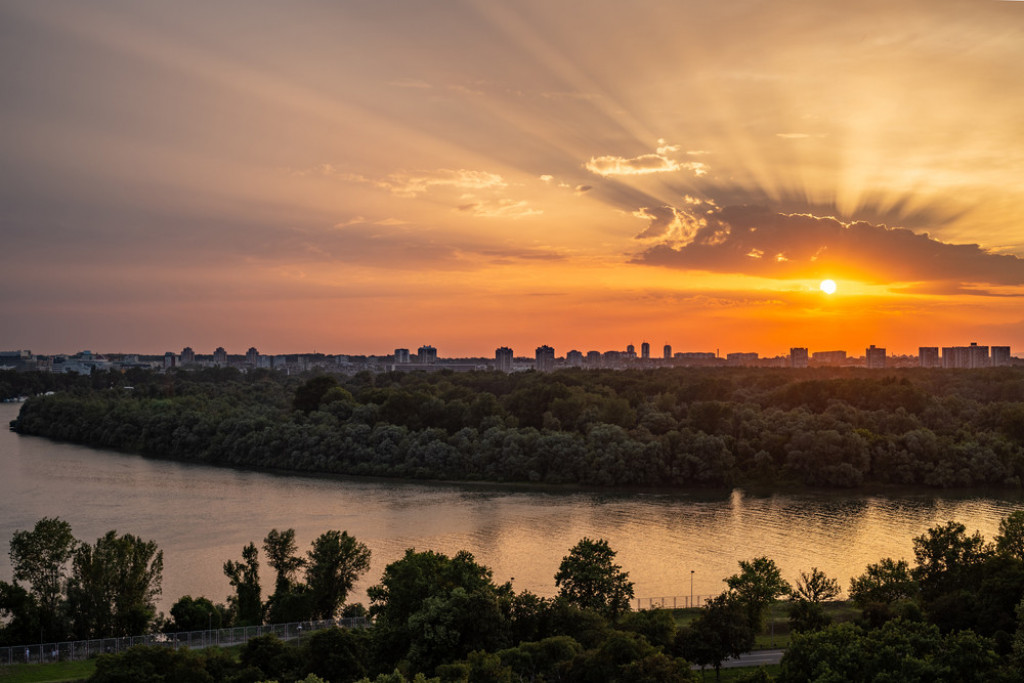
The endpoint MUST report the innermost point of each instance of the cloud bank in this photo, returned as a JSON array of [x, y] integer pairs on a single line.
[[757, 241]]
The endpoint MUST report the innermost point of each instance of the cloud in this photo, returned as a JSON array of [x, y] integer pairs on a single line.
[[413, 184], [804, 245], [668, 222], [500, 208], [660, 161]]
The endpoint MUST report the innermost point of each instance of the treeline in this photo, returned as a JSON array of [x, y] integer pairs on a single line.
[[953, 614], [666, 428]]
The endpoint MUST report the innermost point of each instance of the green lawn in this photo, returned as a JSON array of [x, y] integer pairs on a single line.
[[47, 673]]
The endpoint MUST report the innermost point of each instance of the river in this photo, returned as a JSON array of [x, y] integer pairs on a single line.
[[201, 516]]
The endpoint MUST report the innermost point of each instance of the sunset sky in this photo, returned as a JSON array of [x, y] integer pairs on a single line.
[[361, 175]]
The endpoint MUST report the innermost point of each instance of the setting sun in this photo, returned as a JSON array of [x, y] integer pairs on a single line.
[[828, 286]]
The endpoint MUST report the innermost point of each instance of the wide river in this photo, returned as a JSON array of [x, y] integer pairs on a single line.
[[201, 516]]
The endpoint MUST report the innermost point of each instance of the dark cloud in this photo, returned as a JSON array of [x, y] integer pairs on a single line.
[[758, 241]]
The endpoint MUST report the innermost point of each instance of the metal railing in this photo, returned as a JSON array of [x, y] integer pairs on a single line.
[[222, 637], [672, 602]]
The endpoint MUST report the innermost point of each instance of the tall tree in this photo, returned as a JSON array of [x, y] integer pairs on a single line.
[[1010, 540], [589, 578], [757, 586], [40, 557], [332, 566], [245, 579], [816, 587], [113, 586], [722, 630], [281, 551], [886, 581]]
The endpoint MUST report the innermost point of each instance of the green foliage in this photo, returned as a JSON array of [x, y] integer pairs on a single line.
[[589, 578], [199, 614], [816, 587], [152, 664], [332, 566], [40, 557], [1010, 540], [113, 586], [337, 655], [245, 579], [758, 584], [671, 427], [723, 630], [805, 615], [885, 582]]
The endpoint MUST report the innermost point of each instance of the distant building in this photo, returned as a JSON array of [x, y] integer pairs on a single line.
[[503, 359], [928, 357], [426, 355], [545, 359], [667, 352], [252, 357], [874, 357], [829, 357], [798, 357], [188, 356], [631, 351], [965, 357], [740, 359], [1000, 356], [402, 356], [594, 359], [220, 356], [170, 360], [645, 351], [574, 359]]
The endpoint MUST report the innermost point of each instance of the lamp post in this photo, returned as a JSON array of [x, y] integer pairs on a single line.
[[691, 588]]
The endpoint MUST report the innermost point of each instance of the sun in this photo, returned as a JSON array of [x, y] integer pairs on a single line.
[[828, 286]]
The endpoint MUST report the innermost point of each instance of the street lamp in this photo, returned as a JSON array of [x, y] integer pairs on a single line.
[[691, 588]]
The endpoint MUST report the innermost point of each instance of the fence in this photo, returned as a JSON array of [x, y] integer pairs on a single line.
[[672, 602], [224, 637]]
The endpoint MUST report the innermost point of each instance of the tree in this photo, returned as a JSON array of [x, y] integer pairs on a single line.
[[245, 579], [309, 396], [757, 586], [290, 600], [946, 557], [588, 578], [1010, 541], [197, 614], [332, 566], [113, 586], [816, 587], [722, 630], [40, 557], [886, 582]]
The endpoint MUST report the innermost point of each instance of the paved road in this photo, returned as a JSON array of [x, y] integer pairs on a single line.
[[755, 658]]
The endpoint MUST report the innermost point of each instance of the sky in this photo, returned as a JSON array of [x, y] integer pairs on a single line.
[[355, 176]]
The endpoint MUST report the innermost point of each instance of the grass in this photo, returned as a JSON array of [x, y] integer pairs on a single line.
[[47, 673]]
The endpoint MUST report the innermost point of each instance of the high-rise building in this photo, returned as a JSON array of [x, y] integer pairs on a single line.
[[188, 356], [220, 356], [928, 356], [740, 359], [978, 356], [503, 359], [252, 357], [645, 351], [545, 359], [574, 359], [874, 357], [594, 359], [401, 356], [426, 355], [170, 360], [798, 357], [667, 352], [1000, 356], [962, 357], [631, 351], [829, 357]]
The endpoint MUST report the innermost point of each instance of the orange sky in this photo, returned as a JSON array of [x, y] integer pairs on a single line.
[[355, 177]]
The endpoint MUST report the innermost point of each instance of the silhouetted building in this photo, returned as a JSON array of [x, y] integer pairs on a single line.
[[574, 359], [545, 359], [252, 357], [829, 357], [426, 355], [170, 360], [740, 359], [965, 357], [874, 357], [630, 352], [645, 351], [594, 359], [798, 357], [503, 359], [667, 352], [1000, 356], [402, 356], [220, 356], [928, 357], [188, 356]]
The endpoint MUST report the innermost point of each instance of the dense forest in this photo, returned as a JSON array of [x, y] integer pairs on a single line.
[[683, 427]]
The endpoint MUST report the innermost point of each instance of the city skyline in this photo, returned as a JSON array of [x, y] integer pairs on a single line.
[[363, 176]]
